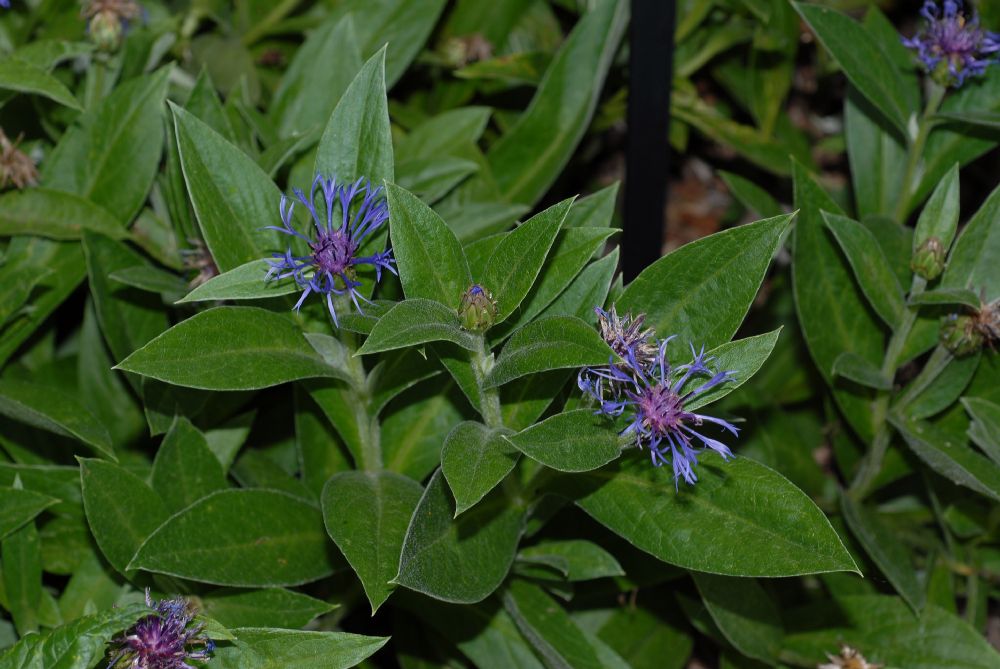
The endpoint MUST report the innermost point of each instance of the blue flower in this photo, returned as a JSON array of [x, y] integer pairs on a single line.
[[330, 267], [165, 639], [5, 3], [652, 398], [952, 46]]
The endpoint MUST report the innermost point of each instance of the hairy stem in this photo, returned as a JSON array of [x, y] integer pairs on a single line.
[[934, 96], [482, 363]]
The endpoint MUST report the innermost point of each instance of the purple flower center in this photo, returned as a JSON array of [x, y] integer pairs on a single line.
[[333, 251], [662, 409]]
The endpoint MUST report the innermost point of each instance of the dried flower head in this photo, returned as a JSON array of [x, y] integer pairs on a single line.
[[330, 266], [626, 337], [653, 396], [168, 638], [16, 167], [849, 658], [107, 21], [952, 46], [199, 259], [963, 334]]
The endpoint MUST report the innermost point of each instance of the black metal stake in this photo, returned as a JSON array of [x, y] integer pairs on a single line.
[[647, 152]]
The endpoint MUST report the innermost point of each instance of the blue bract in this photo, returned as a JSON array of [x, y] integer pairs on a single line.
[[952, 46], [653, 393], [329, 268], [165, 639]]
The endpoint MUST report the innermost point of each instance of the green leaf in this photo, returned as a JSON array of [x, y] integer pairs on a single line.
[[547, 626], [474, 460], [745, 614], [740, 519], [417, 321], [976, 255], [185, 469], [527, 159], [321, 452], [945, 389], [558, 342], [18, 75], [575, 559], [702, 291], [151, 280], [515, 263], [52, 410], [954, 460], [863, 60], [357, 141], [307, 93], [263, 648], [575, 441], [122, 510], [939, 217], [445, 134], [366, 515], [885, 550], [439, 548], [570, 253], [415, 427], [112, 154], [962, 297], [589, 289], [232, 197], [22, 577], [76, 645], [870, 267], [272, 606], [885, 630], [877, 156], [244, 538], [245, 282], [832, 313], [19, 506], [54, 214], [229, 348], [429, 257], [742, 357], [751, 196], [433, 178], [985, 428], [853, 367]]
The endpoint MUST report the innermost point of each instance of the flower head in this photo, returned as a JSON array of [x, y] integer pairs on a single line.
[[168, 638], [626, 337], [330, 266], [107, 21], [849, 658], [653, 397], [478, 309], [952, 46], [964, 334], [16, 167]]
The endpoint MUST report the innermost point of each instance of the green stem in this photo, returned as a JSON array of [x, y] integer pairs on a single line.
[[939, 359], [880, 408], [369, 429], [280, 11], [935, 95], [482, 363]]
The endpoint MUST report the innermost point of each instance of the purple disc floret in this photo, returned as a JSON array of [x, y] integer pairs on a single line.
[[652, 397], [330, 266], [953, 46], [167, 638]]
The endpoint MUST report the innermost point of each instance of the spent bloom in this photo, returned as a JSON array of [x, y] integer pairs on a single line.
[[952, 46], [652, 397], [168, 638], [330, 266], [849, 658], [16, 167], [626, 337]]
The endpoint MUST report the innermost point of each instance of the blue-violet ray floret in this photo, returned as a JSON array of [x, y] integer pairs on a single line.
[[952, 46], [330, 267], [652, 398], [167, 638]]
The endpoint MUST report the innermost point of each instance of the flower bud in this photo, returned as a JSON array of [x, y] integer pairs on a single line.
[[961, 335], [106, 31], [478, 310], [928, 259]]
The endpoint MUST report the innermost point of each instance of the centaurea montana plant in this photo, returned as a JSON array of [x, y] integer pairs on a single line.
[[652, 393], [952, 46], [330, 267], [168, 638]]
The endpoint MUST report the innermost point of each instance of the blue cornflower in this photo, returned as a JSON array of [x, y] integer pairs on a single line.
[[166, 639], [5, 3], [952, 46], [329, 269], [653, 397]]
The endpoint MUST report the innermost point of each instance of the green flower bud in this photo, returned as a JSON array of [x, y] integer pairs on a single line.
[[961, 335], [106, 30], [478, 309], [928, 259]]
